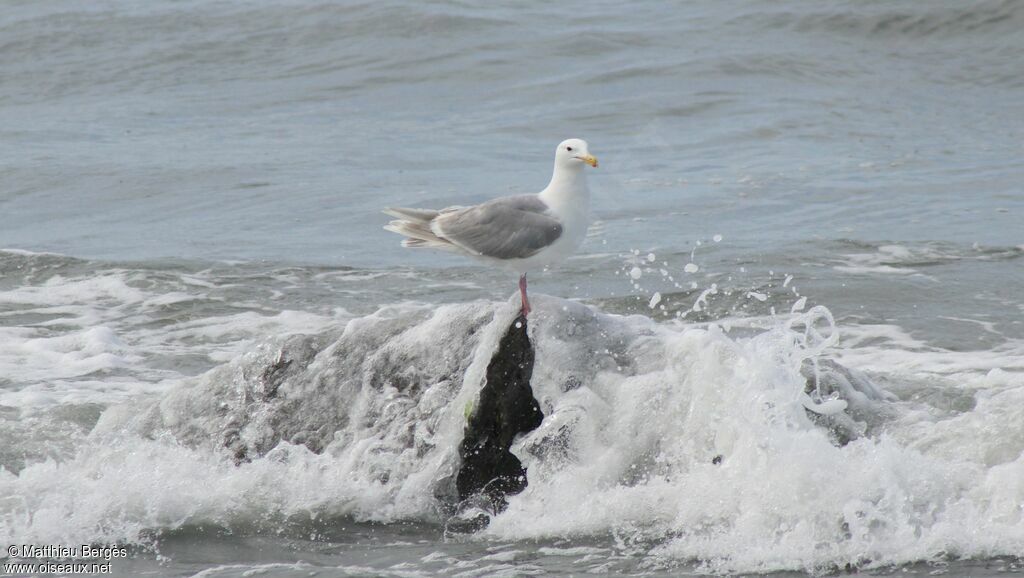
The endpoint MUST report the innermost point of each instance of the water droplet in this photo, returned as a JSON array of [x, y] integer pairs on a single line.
[[655, 299]]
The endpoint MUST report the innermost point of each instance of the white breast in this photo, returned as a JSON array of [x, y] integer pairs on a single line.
[[571, 205]]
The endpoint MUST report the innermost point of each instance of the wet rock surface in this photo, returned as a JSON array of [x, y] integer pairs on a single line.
[[506, 408]]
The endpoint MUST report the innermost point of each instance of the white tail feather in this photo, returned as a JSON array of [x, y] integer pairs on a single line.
[[412, 215], [415, 225], [421, 244]]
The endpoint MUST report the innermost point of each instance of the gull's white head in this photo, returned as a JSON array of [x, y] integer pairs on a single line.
[[573, 153]]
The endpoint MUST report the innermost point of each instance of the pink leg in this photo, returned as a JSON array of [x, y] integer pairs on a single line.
[[522, 292]]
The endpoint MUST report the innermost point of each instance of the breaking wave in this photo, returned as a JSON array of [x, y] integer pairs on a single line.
[[737, 450]]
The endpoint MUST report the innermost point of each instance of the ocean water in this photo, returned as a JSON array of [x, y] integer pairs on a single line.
[[212, 353]]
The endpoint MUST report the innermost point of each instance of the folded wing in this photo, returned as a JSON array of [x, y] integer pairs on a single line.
[[505, 228]]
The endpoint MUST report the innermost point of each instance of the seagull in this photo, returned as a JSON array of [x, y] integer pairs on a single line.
[[522, 233]]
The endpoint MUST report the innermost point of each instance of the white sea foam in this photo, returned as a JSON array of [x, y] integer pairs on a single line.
[[907, 260], [635, 413], [100, 337]]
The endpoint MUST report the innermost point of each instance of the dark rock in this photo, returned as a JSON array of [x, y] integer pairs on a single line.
[[506, 408]]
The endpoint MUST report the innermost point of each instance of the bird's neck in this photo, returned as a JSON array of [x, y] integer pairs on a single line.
[[568, 185]]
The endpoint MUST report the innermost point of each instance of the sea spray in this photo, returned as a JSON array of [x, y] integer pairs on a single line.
[[687, 442]]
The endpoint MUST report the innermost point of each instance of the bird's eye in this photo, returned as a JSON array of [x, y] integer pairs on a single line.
[[568, 149]]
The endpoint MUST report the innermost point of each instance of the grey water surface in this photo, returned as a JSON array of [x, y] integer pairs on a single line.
[[185, 182]]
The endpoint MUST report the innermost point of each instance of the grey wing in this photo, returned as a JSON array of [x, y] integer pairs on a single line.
[[505, 228]]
